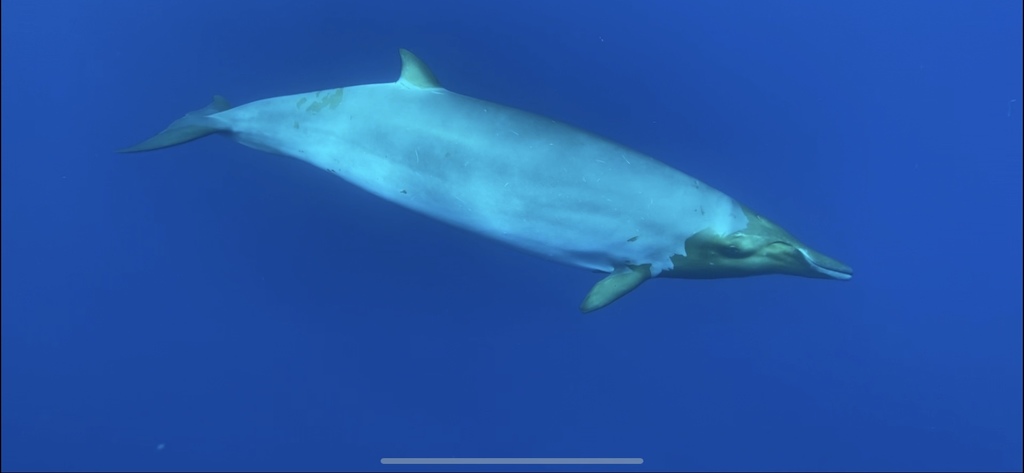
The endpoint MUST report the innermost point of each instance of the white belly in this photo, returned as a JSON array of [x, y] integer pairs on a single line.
[[526, 180]]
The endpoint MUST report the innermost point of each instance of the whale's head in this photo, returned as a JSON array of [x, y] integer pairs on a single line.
[[761, 248]]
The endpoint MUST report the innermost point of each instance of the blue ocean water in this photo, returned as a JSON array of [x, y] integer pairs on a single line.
[[211, 307]]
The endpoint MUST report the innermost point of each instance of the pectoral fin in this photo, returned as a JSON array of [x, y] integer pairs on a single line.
[[614, 286]]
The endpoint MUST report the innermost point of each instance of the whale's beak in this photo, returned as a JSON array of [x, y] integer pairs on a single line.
[[828, 267]]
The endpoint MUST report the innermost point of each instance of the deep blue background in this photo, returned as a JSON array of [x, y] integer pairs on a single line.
[[248, 311]]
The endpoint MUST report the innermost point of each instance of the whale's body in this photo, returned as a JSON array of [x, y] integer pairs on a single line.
[[529, 181], [526, 180]]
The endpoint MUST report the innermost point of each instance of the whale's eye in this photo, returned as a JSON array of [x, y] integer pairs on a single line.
[[732, 251]]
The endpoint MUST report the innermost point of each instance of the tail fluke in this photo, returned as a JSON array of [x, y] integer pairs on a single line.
[[192, 126]]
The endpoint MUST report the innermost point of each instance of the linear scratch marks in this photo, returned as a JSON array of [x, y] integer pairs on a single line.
[[624, 159]]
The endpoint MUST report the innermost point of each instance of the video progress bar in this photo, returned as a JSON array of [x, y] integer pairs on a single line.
[[511, 461]]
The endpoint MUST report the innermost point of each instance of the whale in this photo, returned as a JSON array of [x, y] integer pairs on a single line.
[[534, 183]]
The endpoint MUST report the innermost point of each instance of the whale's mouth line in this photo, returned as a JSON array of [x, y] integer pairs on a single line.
[[843, 275], [837, 271]]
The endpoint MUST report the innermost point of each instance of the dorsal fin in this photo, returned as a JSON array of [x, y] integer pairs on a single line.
[[415, 73]]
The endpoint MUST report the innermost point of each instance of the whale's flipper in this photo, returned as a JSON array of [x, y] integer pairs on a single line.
[[614, 286], [192, 126]]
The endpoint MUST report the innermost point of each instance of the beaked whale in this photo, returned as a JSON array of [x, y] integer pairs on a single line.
[[526, 180]]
